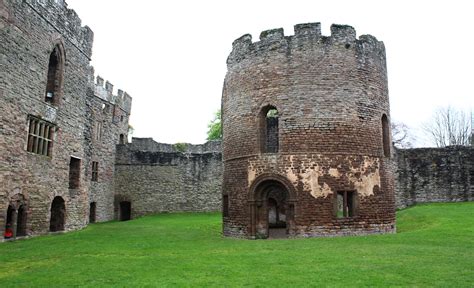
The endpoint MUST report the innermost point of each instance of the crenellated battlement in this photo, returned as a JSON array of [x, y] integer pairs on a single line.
[[306, 34], [104, 90], [65, 21]]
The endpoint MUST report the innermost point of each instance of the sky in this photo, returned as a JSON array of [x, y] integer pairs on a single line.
[[170, 56]]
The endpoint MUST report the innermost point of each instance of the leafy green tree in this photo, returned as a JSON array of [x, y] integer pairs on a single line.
[[214, 131]]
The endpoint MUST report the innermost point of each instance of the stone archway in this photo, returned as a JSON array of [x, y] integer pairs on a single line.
[[58, 214], [272, 207]]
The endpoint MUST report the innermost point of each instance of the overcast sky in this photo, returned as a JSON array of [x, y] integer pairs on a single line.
[[170, 56]]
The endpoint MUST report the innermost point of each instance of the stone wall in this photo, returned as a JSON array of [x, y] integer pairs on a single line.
[[158, 177], [29, 31], [427, 175], [36, 35], [331, 95]]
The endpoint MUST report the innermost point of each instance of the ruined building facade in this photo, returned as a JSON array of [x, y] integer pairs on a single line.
[[306, 144], [306, 139], [58, 129]]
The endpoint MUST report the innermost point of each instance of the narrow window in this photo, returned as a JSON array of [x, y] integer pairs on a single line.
[[269, 130], [225, 205], [385, 136], [40, 136], [122, 139], [95, 171], [74, 173], [54, 81], [345, 204], [98, 130], [58, 215], [92, 209]]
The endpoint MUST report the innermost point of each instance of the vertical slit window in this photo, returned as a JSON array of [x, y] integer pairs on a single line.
[[95, 171], [385, 136]]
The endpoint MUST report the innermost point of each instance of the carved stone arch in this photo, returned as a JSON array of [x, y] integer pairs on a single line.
[[271, 193], [272, 177]]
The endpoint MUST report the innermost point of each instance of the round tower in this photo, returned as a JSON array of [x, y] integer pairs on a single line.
[[306, 145]]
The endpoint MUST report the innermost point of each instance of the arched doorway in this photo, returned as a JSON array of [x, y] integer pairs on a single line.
[[271, 205], [21, 221], [125, 211], [58, 213], [9, 229]]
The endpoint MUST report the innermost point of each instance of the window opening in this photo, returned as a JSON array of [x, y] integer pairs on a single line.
[[345, 202], [40, 136], [269, 130], [95, 171], [74, 173], [53, 83], [386, 136]]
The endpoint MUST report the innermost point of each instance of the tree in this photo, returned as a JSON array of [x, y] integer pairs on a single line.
[[448, 127], [215, 127], [401, 136]]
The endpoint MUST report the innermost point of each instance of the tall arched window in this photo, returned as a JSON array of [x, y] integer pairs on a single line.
[[55, 76], [385, 136], [269, 130]]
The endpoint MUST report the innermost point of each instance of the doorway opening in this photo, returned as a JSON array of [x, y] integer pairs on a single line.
[[125, 210], [58, 213]]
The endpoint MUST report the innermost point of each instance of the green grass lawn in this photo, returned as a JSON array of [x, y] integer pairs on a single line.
[[434, 246]]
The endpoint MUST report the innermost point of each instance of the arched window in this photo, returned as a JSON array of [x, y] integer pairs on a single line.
[[269, 130], [385, 136], [122, 139], [55, 76]]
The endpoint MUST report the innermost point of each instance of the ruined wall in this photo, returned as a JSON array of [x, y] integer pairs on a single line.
[[32, 33], [427, 175], [331, 94], [29, 31], [157, 177], [108, 127]]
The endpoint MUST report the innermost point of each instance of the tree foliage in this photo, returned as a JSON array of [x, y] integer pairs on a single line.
[[401, 135], [449, 126], [214, 131]]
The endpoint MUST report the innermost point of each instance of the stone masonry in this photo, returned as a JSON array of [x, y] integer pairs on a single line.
[[426, 175], [49, 122], [332, 173], [157, 177], [306, 146]]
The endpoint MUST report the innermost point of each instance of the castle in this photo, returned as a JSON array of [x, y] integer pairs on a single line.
[[294, 156]]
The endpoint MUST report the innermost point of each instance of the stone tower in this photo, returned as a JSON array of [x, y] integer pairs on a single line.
[[306, 146]]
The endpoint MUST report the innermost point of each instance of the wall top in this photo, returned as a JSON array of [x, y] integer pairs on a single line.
[[306, 33]]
